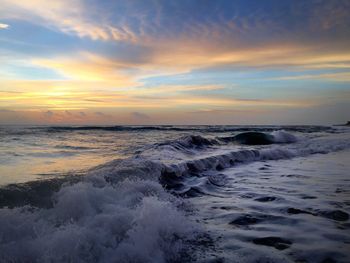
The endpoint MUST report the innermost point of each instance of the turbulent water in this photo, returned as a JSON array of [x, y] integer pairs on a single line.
[[175, 194]]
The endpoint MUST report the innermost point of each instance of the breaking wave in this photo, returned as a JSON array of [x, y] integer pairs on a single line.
[[97, 221], [192, 143], [282, 136]]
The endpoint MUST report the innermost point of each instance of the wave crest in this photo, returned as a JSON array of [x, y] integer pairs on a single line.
[[132, 221]]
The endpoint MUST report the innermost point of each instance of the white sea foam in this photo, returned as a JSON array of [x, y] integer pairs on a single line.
[[133, 221], [282, 136]]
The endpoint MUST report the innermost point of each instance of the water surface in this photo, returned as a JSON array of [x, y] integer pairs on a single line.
[[175, 194]]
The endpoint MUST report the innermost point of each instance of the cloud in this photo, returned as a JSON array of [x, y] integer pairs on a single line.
[[6, 111], [4, 26], [165, 60], [274, 55], [223, 111], [114, 72], [69, 16], [140, 115], [89, 67], [183, 88], [48, 114], [224, 23], [336, 77]]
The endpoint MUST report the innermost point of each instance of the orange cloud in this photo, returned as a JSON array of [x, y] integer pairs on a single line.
[[189, 56], [89, 67], [173, 59]]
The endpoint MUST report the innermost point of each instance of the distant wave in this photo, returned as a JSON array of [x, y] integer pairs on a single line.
[[112, 128], [261, 138], [198, 142], [186, 142], [199, 128]]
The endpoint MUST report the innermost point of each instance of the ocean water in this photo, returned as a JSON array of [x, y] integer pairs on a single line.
[[175, 194]]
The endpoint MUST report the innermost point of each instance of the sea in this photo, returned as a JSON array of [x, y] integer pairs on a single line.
[[175, 194]]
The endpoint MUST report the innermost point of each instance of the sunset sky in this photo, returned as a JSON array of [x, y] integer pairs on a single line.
[[174, 62]]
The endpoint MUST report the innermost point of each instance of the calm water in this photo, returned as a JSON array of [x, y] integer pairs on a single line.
[[175, 193]]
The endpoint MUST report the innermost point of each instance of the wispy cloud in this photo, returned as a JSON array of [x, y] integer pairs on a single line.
[[71, 17], [185, 45], [140, 115], [48, 114], [146, 22], [337, 77], [223, 111]]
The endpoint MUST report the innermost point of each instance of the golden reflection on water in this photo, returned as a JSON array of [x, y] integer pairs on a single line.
[[27, 157]]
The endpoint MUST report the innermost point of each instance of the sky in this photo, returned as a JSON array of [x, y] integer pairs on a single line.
[[85, 62]]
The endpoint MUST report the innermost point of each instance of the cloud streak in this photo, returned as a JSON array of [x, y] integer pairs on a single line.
[[336, 77], [4, 26]]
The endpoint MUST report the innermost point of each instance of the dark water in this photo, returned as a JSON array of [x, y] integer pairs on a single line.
[[175, 193]]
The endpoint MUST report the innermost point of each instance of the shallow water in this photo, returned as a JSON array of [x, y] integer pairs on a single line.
[[175, 194], [305, 202]]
